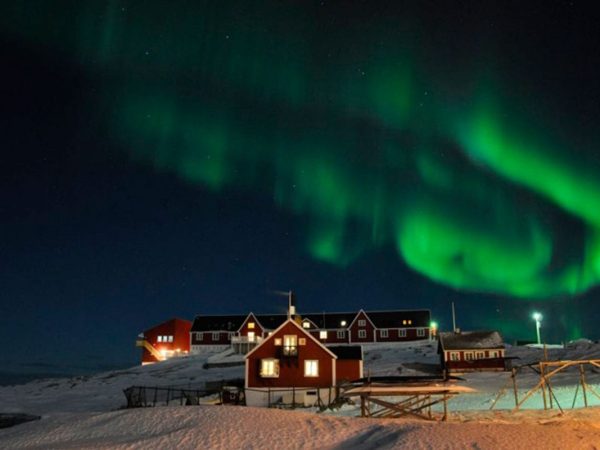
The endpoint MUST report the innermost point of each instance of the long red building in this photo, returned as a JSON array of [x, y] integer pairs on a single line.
[[165, 340]]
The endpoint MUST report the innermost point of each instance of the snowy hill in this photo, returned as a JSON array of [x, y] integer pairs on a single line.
[[85, 412]]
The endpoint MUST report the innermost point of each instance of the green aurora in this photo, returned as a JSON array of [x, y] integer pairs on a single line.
[[364, 130]]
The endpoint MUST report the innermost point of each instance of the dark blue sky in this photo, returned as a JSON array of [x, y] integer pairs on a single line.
[[97, 246]]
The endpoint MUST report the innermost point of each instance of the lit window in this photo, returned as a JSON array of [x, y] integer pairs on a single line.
[[159, 339], [305, 325], [270, 333], [404, 322], [341, 334], [170, 338], [216, 336], [311, 368], [468, 356], [269, 368], [383, 333], [290, 342], [454, 356], [251, 336], [421, 332], [251, 325], [409, 322], [302, 341], [343, 323], [402, 333], [362, 334], [323, 334], [278, 342], [362, 322]]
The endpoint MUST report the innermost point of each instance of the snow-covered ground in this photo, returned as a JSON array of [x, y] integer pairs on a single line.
[[85, 412]]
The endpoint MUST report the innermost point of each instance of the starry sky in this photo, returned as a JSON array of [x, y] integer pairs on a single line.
[[165, 160]]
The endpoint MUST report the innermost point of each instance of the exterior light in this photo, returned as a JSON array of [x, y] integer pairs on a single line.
[[343, 323]]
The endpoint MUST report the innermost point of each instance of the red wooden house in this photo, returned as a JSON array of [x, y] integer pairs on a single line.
[[469, 351], [163, 341], [291, 365]]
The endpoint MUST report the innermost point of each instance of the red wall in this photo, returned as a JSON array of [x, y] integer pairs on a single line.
[[178, 328], [291, 369], [258, 330], [347, 370], [355, 328]]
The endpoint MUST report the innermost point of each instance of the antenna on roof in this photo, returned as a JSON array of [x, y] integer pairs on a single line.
[[453, 318], [291, 302]]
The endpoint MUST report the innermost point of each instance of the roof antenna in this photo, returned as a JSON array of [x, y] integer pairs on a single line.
[[291, 302], [453, 318]]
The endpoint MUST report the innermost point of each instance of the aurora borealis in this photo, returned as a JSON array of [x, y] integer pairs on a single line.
[[463, 138]]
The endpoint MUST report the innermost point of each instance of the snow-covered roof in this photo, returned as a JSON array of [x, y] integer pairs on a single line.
[[467, 340]]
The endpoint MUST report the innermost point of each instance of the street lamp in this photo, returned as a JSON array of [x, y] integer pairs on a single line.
[[538, 322]]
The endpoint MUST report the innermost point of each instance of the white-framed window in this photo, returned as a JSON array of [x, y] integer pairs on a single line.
[[494, 354], [290, 345], [323, 334], [341, 334], [200, 336], [479, 355], [362, 334], [230, 335], [362, 322], [159, 339], [216, 335], [269, 368], [402, 333], [251, 336], [420, 332], [311, 368], [170, 338], [454, 356], [251, 325], [468, 356], [383, 333], [305, 324]]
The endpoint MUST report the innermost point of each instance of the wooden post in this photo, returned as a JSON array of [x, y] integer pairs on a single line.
[[582, 378], [543, 385], [362, 406], [445, 409], [269, 396], [293, 397], [168, 395], [514, 379]]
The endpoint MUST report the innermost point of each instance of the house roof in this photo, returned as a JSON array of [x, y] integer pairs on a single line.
[[330, 320], [303, 331], [471, 340], [347, 351], [394, 319], [218, 323]]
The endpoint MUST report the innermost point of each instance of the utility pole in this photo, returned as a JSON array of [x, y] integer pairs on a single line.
[[453, 318]]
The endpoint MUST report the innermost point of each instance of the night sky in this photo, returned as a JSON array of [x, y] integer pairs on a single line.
[[165, 159]]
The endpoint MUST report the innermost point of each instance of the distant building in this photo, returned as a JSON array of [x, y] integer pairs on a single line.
[[165, 340], [291, 365], [243, 332], [471, 351]]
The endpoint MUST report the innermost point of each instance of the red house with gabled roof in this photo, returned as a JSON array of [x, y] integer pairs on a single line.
[[165, 340], [292, 361]]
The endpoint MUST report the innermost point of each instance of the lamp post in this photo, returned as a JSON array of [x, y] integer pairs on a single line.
[[538, 323]]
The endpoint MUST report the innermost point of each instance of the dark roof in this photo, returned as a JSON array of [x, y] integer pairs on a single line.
[[218, 323], [471, 340], [330, 320], [393, 319], [271, 321], [347, 351]]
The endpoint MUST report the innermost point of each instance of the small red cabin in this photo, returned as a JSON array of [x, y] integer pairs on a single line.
[[470, 351], [163, 341], [292, 365]]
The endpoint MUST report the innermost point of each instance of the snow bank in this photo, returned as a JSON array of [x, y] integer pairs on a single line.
[[230, 427]]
